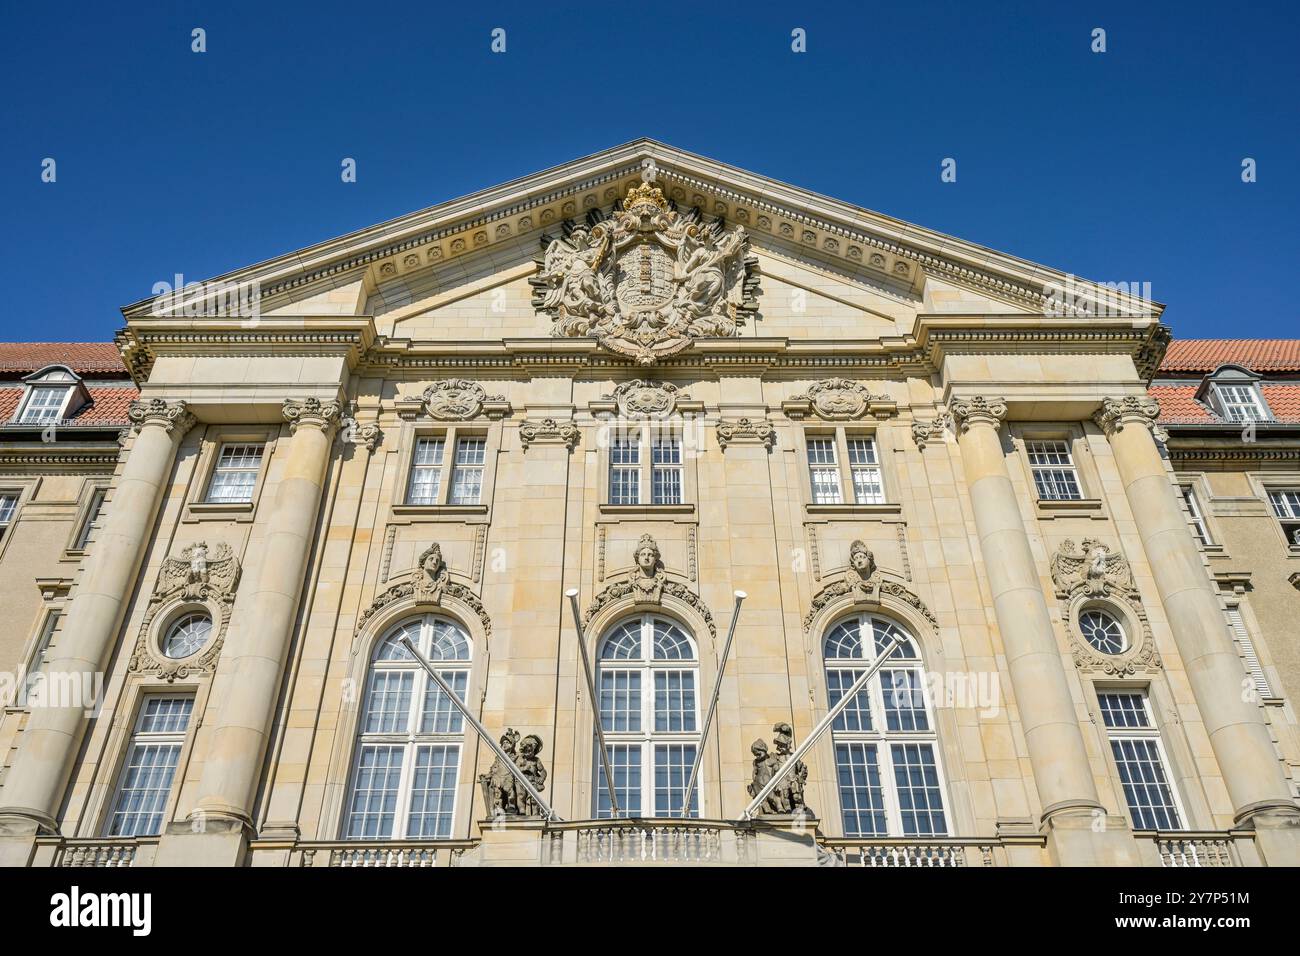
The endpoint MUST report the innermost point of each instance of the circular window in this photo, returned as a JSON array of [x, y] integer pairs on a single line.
[[188, 634], [1102, 631]]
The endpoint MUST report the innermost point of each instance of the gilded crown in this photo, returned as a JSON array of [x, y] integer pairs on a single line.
[[645, 200]]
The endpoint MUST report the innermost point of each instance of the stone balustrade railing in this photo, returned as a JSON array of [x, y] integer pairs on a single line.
[[906, 853], [110, 852], [357, 853], [1197, 849]]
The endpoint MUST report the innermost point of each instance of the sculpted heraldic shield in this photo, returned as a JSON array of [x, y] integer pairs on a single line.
[[647, 280]]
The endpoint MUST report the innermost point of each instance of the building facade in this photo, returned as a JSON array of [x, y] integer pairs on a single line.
[[653, 381]]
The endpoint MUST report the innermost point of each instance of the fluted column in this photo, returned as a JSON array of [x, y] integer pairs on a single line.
[[1251, 768], [34, 787], [1056, 748], [253, 658]]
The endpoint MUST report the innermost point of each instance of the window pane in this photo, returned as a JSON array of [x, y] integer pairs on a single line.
[[426, 472], [824, 473], [43, 405], [625, 761], [8, 504], [857, 715], [675, 701], [1199, 528], [146, 784], [671, 644], [1053, 470], [1286, 504], [388, 703], [666, 471], [920, 802], [672, 767], [92, 515], [1123, 709], [439, 715], [235, 475], [433, 792], [1146, 788], [904, 700], [868, 489], [467, 472], [620, 701], [374, 793], [625, 471], [862, 800], [166, 715], [1240, 403]]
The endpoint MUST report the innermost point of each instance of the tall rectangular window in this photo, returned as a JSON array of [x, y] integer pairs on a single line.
[[1286, 506], [666, 471], [235, 475], [625, 470], [426, 472], [92, 515], [868, 489], [43, 405], [1240, 403], [8, 505], [824, 471], [1195, 516], [41, 652], [1054, 476], [150, 768], [467, 471], [1139, 758]]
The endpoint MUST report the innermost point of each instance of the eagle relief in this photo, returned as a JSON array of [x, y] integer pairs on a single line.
[[647, 280]]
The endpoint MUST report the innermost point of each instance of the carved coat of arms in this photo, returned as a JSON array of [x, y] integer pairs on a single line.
[[646, 281]]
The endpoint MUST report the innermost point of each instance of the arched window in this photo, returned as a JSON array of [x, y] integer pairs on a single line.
[[409, 736], [646, 677], [886, 756]]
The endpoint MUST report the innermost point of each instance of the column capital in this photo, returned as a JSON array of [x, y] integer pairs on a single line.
[[1142, 410], [311, 411], [978, 409], [171, 416]]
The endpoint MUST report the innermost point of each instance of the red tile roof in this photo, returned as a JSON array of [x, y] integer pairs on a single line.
[[1258, 355], [1178, 404], [84, 358], [108, 405]]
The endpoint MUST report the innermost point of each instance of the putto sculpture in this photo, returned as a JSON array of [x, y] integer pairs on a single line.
[[502, 793], [787, 797], [647, 280]]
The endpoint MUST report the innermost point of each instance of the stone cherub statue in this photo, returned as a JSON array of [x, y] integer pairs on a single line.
[[648, 578], [502, 793], [787, 797]]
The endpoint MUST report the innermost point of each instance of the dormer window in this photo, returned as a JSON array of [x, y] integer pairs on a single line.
[[52, 395], [1234, 394]]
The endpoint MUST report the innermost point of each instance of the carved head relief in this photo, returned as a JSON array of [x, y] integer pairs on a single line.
[[862, 560], [647, 555]]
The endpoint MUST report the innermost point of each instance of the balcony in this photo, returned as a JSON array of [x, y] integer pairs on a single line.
[[358, 853], [1196, 849]]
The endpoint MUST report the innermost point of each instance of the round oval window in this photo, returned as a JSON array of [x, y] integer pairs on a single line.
[[187, 635], [1103, 632]]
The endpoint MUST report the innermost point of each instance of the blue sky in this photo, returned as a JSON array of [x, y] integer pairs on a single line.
[[1121, 166]]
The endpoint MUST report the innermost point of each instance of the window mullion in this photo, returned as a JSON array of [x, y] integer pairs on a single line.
[[645, 455], [843, 468], [447, 466]]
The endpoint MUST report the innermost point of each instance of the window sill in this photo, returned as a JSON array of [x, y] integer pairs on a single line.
[[886, 509], [680, 512], [473, 514], [219, 511], [1090, 507]]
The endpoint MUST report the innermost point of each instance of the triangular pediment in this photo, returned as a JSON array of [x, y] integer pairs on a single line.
[[440, 252]]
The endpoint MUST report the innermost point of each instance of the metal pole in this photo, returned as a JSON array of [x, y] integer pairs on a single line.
[[460, 705], [572, 595], [820, 729], [713, 705]]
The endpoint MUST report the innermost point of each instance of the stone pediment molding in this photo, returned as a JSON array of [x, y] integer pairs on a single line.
[[838, 399], [647, 584], [429, 584]]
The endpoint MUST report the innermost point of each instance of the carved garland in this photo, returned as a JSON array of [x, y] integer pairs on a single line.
[[429, 585]]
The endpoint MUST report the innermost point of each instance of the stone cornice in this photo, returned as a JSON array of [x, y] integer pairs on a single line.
[[1244, 453]]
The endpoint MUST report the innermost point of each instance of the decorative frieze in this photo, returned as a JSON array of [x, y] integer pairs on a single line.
[[746, 431], [838, 399], [549, 431]]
